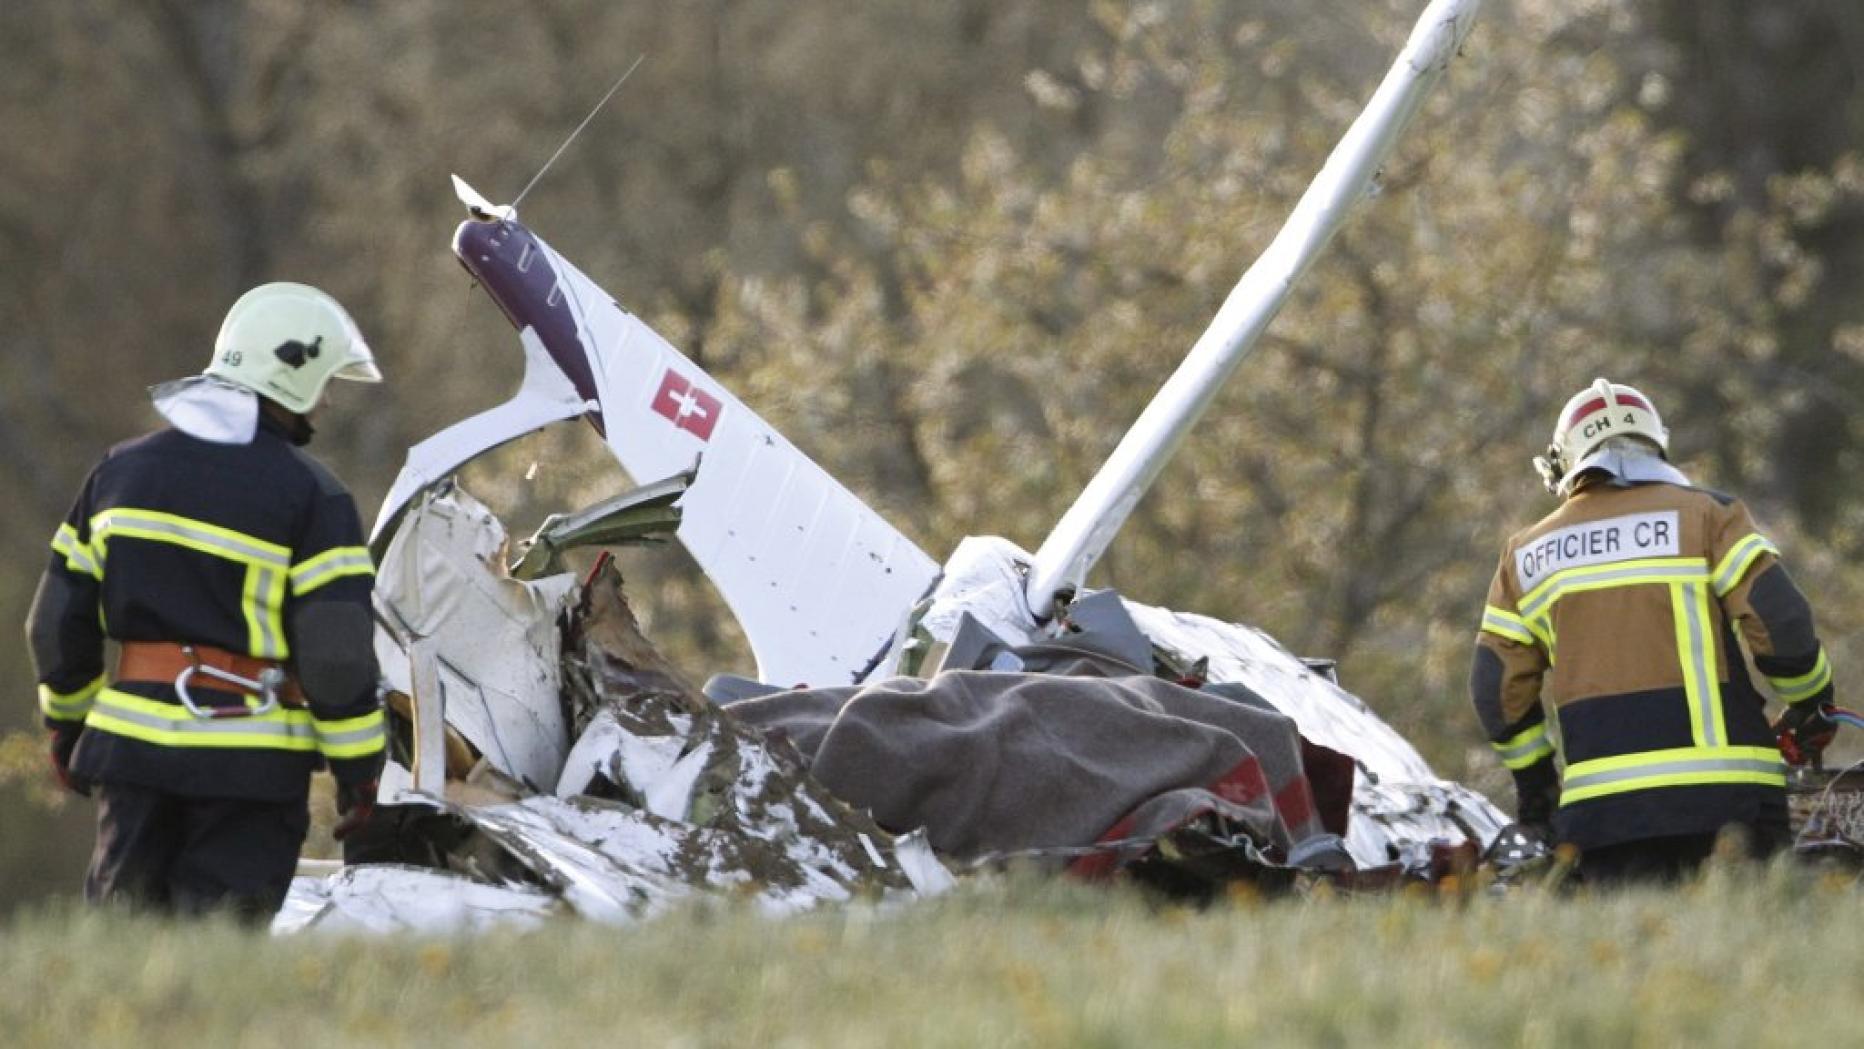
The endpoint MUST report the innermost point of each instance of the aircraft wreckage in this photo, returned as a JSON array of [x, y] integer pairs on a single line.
[[987, 707]]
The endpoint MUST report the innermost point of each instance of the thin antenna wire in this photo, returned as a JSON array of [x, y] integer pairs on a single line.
[[578, 131]]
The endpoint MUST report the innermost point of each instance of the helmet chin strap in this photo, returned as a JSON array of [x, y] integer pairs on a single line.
[[292, 426], [1551, 469]]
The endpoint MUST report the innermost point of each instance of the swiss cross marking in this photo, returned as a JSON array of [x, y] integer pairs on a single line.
[[687, 406]]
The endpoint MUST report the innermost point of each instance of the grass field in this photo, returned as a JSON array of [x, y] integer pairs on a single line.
[[1737, 959]]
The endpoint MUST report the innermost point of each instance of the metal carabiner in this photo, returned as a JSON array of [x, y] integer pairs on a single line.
[[266, 687]]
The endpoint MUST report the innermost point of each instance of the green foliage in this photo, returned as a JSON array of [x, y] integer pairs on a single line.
[[23, 766], [1024, 963], [43, 845]]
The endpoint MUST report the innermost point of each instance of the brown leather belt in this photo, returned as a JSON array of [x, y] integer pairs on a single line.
[[161, 662]]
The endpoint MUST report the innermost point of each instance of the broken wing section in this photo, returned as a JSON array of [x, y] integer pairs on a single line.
[[816, 578]]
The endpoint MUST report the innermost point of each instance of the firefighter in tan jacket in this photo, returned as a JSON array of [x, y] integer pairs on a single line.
[[1619, 612]]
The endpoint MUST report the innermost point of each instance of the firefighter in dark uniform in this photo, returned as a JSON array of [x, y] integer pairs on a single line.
[[229, 567], [1620, 611]]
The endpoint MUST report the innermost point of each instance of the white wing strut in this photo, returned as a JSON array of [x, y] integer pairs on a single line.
[[1083, 533]]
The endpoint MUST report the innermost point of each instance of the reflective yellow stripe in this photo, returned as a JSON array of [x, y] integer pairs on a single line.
[[352, 737], [1805, 686], [262, 598], [183, 531], [69, 706], [262, 594], [249, 604], [1527, 747], [275, 611], [169, 725], [1505, 624], [331, 565], [1679, 767], [77, 555], [1536, 603], [1686, 578], [1541, 630], [1740, 557], [1695, 655]]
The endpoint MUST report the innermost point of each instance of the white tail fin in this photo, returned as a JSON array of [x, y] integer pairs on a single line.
[[816, 578]]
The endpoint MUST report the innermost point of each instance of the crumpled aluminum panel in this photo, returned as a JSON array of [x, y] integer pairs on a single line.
[[615, 864], [496, 638], [390, 898], [605, 862], [665, 797]]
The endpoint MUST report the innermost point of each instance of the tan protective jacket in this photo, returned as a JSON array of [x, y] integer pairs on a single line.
[[1619, 611]]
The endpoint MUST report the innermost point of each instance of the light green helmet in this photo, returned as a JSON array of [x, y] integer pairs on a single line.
[[285, 342]]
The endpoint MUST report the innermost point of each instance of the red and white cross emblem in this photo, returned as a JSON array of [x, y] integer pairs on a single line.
[[687, 406]]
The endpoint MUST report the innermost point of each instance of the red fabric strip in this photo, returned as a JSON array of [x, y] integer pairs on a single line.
[[1597, 404], [1294, 803], [1242, 784]]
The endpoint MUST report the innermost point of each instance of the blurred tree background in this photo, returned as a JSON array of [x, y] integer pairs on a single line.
[[951, 249]]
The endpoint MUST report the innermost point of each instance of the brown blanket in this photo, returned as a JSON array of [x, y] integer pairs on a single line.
[[1003, 762]]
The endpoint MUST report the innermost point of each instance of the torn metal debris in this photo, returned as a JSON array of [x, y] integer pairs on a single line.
[[445, 599], [583, 776], [392, 898], [661, 794]]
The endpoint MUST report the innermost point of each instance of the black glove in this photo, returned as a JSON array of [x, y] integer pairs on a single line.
[[63, 742], [356, 805], [1804, 732], [1537, 794]]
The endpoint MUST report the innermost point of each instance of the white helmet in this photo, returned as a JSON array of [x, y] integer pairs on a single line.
[[1593, 416], [286, 341]]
